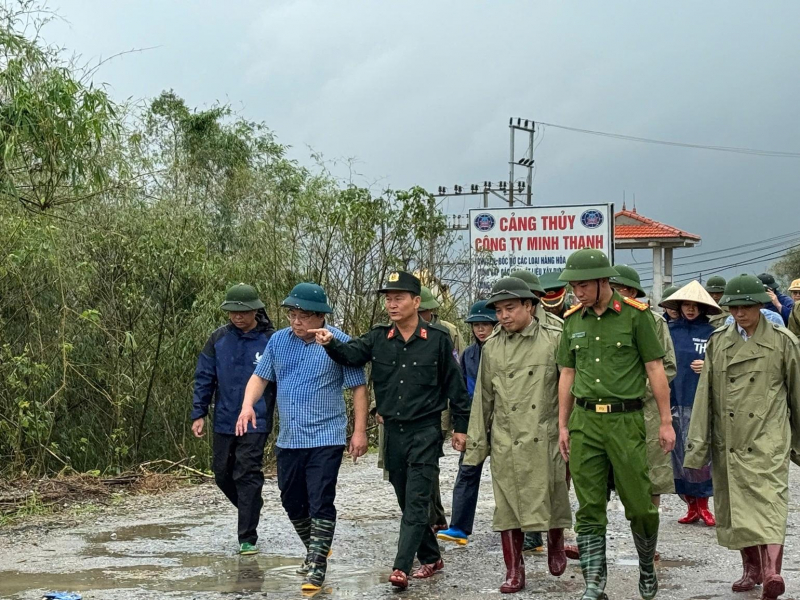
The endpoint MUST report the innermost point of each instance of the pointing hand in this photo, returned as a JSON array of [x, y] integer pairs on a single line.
[[323, 336]]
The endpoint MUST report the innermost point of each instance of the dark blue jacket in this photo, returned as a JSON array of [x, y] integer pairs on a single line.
[[223, 370], [787, 304], [469, 366]]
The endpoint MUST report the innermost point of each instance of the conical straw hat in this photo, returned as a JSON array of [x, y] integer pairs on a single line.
[[692, 292]]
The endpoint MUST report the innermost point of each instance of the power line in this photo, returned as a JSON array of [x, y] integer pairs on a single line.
[[631, 138], [728, 256], [757, 259], [737, 247]]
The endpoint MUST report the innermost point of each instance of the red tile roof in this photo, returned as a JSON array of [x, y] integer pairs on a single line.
[[648, 228]]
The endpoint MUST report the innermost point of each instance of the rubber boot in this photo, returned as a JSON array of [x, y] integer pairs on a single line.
[[751, 570], [321, 540], [533, 542], [692, 516], [515, 565], [646, 549], [303, 529], [592, 549], [771, 563], [556, 557], [702, 509]]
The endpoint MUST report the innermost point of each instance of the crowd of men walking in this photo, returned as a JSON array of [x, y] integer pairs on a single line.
[[605, 395]]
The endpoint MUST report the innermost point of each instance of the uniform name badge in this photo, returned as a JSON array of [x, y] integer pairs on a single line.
[[578, 334]]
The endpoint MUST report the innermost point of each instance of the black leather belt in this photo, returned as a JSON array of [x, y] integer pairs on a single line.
[[610, 407]]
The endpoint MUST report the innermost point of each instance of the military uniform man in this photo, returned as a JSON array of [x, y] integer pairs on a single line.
[[715, 286], [629, 285], [555, 297], [516, 405], [414, 374], [427, 305], [746, 420], [608, 350]]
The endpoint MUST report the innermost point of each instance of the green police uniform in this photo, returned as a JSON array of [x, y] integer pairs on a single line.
[[413, 380], [608, 353], [661, 475]]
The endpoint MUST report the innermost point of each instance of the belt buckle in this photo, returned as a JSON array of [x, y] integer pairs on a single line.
[[602, 408]]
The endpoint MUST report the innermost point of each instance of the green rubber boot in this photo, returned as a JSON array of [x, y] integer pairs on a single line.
[[303, 529], [648, 582], [318, 551], [593, 566]]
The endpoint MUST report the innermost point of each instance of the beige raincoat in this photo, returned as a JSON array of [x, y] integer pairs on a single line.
[[516, 406], [746, 419]]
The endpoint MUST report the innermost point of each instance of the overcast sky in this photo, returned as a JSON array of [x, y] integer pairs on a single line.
[[420, 92]]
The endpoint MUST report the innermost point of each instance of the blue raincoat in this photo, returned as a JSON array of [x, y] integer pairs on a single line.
[[690, 339]]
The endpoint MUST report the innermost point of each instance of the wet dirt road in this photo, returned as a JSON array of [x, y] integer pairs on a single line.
[[183, 545]]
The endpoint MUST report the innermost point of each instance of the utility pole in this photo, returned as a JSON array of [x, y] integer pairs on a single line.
[[526, 161]]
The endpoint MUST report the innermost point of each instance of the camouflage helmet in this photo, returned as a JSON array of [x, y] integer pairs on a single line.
[[744, 290], [510, 288], [241, 298], [532, 280], [480, 313], [309, 297], [628, 277], [427, 301], [586, 265], [716, 284]]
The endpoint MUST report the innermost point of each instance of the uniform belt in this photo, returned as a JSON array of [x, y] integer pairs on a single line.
[[415, 425], [610, 407]]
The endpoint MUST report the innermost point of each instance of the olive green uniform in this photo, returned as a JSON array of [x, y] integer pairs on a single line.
[[516, 399], [719, 320], [794, 319], [661, 475], [608, 353], [438, 516], [413, 380], [746, 419]]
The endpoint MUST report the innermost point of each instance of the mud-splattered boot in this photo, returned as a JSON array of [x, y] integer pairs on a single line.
[[321, 540], [303, 529], [592, 550], [771, 564], [751, 570], [646, 549]]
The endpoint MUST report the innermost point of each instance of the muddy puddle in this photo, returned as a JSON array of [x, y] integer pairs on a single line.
[[135, 558]]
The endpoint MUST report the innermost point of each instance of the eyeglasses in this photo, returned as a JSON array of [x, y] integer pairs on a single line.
[[299, 317]]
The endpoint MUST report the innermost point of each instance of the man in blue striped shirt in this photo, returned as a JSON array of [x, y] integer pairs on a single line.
[[313, 422]]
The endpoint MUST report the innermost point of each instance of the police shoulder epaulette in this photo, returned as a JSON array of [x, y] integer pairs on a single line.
[[636, 304], [573, 310]]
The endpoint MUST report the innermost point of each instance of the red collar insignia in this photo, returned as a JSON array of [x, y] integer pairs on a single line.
[[391, 334], [423, 333], [617, 306]]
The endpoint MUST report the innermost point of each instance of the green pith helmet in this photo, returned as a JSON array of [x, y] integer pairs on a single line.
[[551, 283], [480, 313], [744, 290], [510, 288], [532, 280], [427, 301], [628, 277], [400, 281], [241, 298], [588, 264], [308, 296], [716, 284], [668, 291]]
